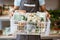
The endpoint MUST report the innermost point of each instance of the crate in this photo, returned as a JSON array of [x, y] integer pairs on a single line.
[[30, 23]]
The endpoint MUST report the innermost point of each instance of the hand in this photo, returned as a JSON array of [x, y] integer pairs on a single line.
[[48, 15], [20, 11], [11, 14]]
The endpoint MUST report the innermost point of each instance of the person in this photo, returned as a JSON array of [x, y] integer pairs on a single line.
[[30, 6]]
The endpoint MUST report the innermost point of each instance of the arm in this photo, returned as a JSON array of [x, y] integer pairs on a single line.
[[17, 5], [42, 7], [17, 8]]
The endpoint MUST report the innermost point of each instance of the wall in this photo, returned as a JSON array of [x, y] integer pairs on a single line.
[[10, 2], [1, 2], [52, 4]]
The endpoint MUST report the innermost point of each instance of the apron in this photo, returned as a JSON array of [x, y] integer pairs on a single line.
[[28, 37], [30, 5]]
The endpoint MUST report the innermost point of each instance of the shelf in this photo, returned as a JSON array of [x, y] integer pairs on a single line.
[[4, 18]]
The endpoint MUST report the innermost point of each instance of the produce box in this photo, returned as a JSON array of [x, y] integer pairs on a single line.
[[30, 22]]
